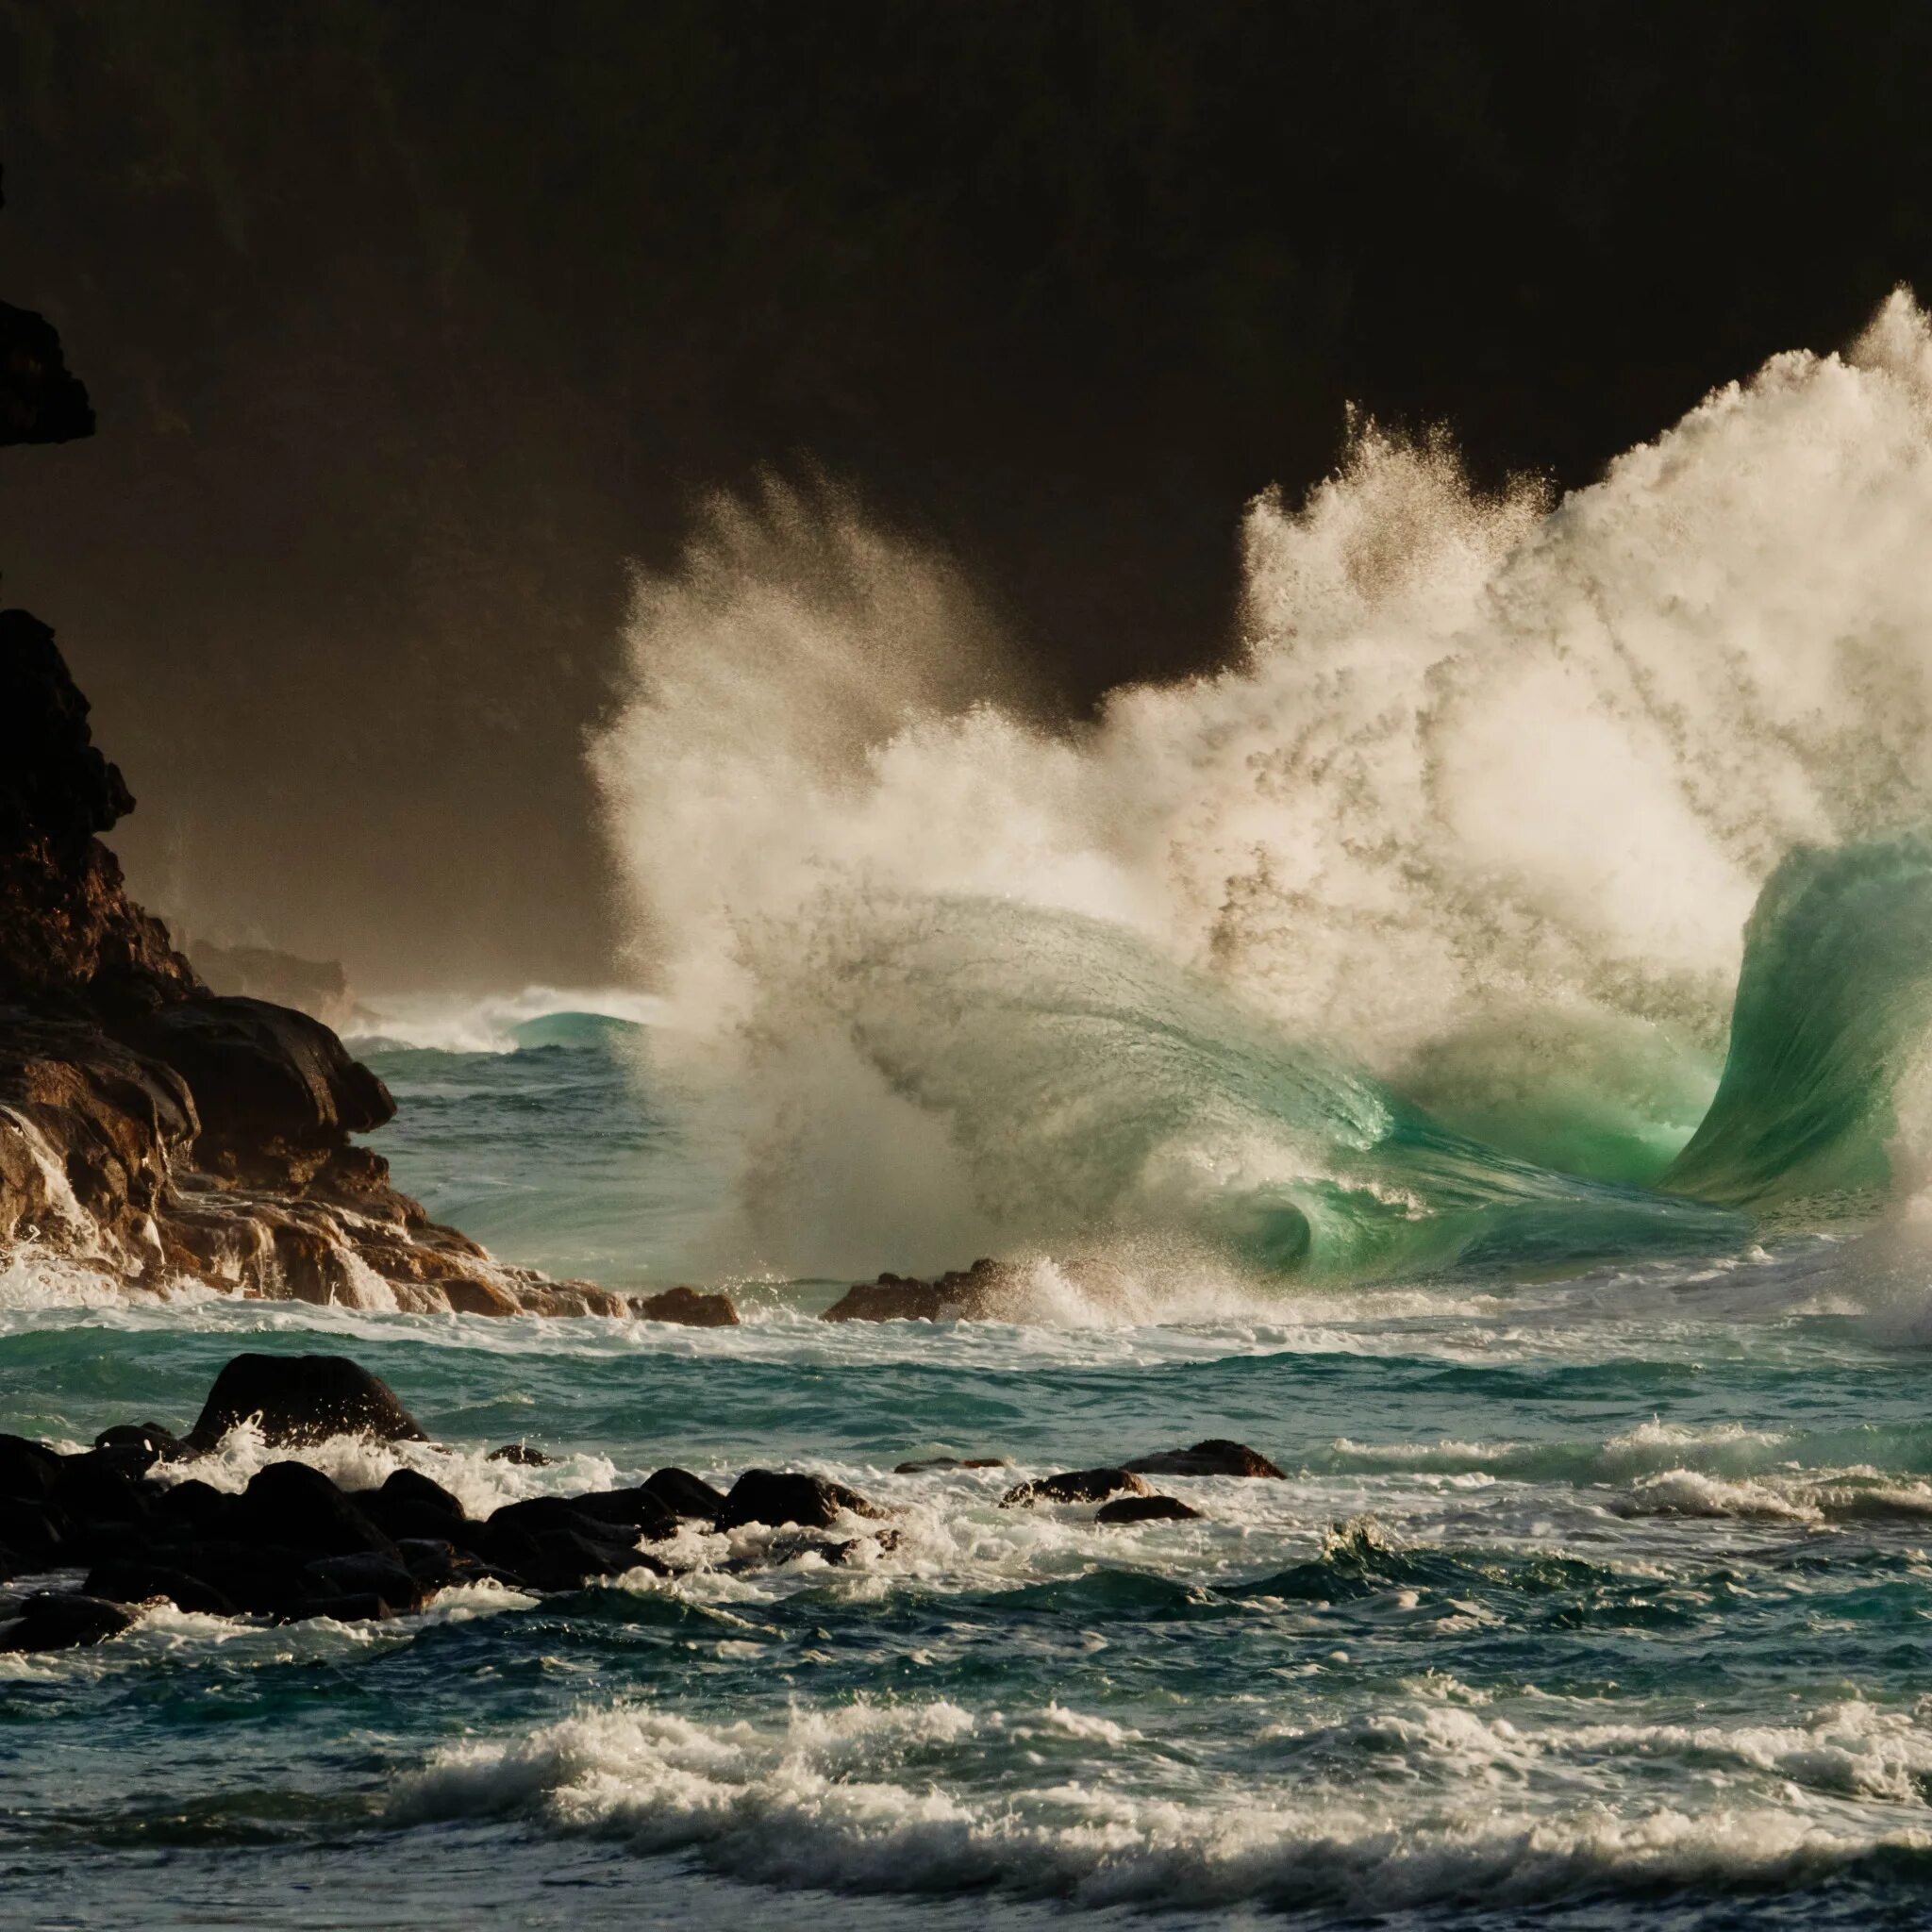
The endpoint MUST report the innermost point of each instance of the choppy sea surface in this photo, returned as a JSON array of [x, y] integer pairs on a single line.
[[1592, 1603]]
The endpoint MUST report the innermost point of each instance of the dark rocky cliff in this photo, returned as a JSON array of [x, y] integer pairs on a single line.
[[152, 1130]]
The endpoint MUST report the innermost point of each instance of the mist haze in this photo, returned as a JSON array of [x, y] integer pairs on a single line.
[[411, 331]]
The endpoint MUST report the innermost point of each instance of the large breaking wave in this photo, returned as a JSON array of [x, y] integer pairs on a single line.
[[1409, 938]]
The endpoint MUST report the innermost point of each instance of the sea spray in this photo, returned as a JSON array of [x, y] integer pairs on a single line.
[[1482, 802]]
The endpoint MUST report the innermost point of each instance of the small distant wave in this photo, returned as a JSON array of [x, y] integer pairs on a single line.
[[503, 1022]]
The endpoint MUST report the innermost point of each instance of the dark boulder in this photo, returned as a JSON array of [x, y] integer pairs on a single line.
[[521, 1454], [1217, 1455], [1076, 1486], [561, 1551], [639, 1508], [1145, 1509], [347, 1609], [291, 1503], [686, 1496], [303, 1398], [161, 1443], [774, 1498], [367, 1573], [605, 1515], [689, 1306], [63, 1620], [436, 1564], [137, 1580], [104, 1500], [411, 1504], [927, 1465], [411, 1486], [27, 1469], [264, 1579], [35, 1533], [189, 1509]]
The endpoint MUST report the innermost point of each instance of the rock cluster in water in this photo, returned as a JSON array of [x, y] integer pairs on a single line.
[[151, 1129], [294, 1546]]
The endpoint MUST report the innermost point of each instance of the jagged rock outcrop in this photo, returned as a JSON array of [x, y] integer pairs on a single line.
[[151, 1129], [319, 987], [966, 1295]]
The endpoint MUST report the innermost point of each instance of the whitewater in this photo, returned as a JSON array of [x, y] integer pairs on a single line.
[[1472, 1047]]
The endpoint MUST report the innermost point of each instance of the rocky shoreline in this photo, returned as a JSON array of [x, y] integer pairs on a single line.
[[94, 1536]]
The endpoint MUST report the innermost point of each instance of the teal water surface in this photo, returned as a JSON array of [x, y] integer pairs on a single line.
[[1593, 1602]]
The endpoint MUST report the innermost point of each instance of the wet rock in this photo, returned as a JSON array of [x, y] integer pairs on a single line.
[[520, 1454], [265, 1580], [161, 1442], [561, 1551], [411, 1486], [261, 1074], [27, 1469], [409, 1504], [190, 1508], [963, 1295], [686, 1496], [35, 1533], [63, 1620], [436, 1565], [288, 1503], [639, 1508], [1145, 1509], [138, 1581], [305, 1398], [348, 1609], [689, 1306], [1076, 1486], [366, 1574], [1215, 1456], [776, 1498], [925, 1465], [470, 1294], [104, 1501], [608, 1515]]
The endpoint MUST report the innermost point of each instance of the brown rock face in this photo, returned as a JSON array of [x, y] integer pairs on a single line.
[[687, 1305], [149, 1127], [967, 1294]]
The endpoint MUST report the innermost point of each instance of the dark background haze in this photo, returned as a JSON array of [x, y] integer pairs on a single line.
[[407, 325]]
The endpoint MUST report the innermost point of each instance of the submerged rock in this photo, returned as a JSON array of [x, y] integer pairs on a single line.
[[1076, 1486], [690, 1307], [1215, 1456], [927, 1464], [60, 1620], [303, 1398], [1145, 1509]]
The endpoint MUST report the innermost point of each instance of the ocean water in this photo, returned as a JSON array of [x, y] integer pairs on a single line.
[[1472, 1049]]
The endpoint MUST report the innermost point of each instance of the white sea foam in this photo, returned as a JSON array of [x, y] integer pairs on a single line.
[[929, 1797]]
